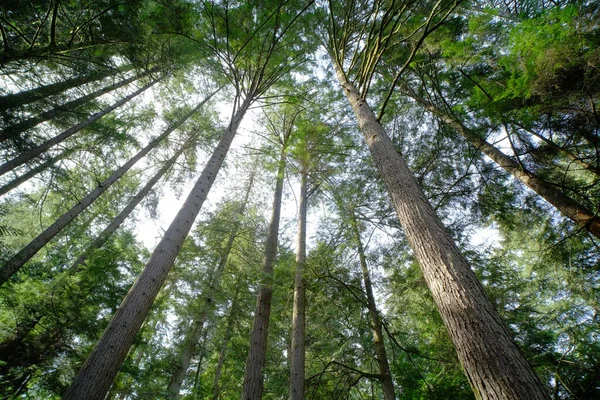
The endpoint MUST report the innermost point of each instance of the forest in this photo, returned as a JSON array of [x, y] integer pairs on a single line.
[[299, 199]]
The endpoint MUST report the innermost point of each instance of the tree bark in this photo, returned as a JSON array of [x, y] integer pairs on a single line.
[[97, 373], [297, 368], [491, 359], [576, 212], [14, 131], [17, 261], [14, 100], [34, 152], [387, 383], [253, 376], [195, 331]]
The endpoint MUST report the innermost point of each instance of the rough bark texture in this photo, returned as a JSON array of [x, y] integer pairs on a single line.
[[387, 384], [34, 152], [13, 100], [579, 214], [96, 375], [297, 358], [253, 376], [492, 362], [13, 131], [195, 331], [15, 263]]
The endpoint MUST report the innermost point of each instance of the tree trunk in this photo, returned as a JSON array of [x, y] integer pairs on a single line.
[[299, 312], [195, 331], [14, 100], [567, 206], [16, 262], [224, 344], [96, 375], [34, 152], [47, 51], [13, 131], [253, 376], [491, 359], [387, 383], [34, 171]]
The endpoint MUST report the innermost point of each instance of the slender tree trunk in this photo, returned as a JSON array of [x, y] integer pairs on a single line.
[[15, 263], [95, 377], [34, 152], [495, 367], [225, 344], [576, 212], [13, 131], [13, 100], [299, 312], [253, 376], [122, 216], [195, 331], [387, 382], [16, 182]]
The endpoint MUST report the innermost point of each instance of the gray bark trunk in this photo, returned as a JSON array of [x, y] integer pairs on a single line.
[[13, 100], [387, 383], [297, 368], [253, 376], [494, 366], [576, 212], [195, 331], [13, 131], [96, 375], [16, 262], [34, 152]]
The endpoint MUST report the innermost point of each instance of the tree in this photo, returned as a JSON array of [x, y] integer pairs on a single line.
[[475, 327]]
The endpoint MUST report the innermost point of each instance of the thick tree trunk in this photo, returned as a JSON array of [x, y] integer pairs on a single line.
[[13, 100], [225, 344], [253, 376], [491, 359], [576, 212], [16, 262], [298, 355], [13, 131], [387, 383], [16, 182], [195, 331], [96, 375], [34, 152]]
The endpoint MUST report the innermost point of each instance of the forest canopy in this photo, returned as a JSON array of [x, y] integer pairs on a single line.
[[373, 199]]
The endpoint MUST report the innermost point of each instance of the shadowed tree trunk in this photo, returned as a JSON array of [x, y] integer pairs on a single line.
[[97, 373], [387, 383], [567, 206], [253, 376], [13, 100], [495, 367], [194, 333], [17, 261], [32, 153], [13, 131], [299, 312]]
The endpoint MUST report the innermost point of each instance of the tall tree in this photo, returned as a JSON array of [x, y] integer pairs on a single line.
[[485, 347]]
